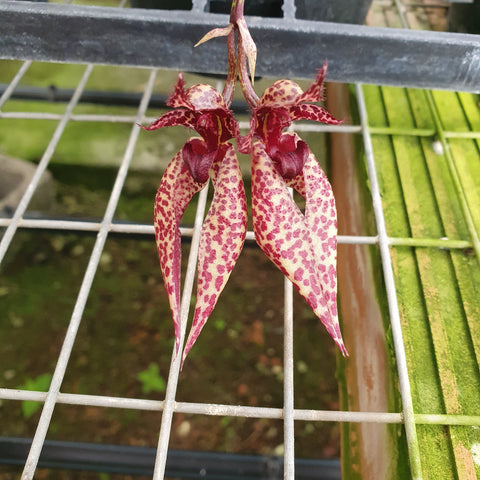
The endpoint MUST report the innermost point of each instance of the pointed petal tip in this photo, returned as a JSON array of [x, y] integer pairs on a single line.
[[184, 356], [343, 349], [216, 32]]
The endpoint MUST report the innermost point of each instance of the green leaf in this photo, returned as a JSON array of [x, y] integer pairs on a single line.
[[151, 379], [40, 384]]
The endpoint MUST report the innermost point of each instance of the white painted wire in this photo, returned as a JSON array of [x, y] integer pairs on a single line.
[[288, 384], [170, 406]]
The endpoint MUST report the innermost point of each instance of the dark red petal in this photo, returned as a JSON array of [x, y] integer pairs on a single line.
[[230, 128], [176, 189], [316, 113], [187, 118], [289, 155], [222, 237], [208, 127], [276, 120], [314, 93], [179, 98], [198, 157]]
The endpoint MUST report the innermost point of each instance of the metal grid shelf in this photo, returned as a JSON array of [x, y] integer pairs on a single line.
[[465, 76]]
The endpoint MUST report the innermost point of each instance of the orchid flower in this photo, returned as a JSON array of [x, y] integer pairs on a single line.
[[303, 247], [202, 109]]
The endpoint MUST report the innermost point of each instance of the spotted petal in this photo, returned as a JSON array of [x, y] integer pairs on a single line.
[[286, 236], [204, 97], [222, 237], [308, 111], [314, 93], [187, 118], [179, 97], [176, 189], [321, 217], [282, 94]]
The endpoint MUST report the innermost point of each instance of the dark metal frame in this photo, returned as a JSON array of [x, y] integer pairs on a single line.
[[131, 460], [160, 38]]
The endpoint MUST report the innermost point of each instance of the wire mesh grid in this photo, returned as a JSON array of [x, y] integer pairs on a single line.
[[288, 414]]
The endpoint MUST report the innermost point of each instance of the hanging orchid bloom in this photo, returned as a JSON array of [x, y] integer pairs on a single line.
[[202, 109], [302, 246]]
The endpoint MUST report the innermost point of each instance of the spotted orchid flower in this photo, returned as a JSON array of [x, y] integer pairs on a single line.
[[302, 246], [202, 109]]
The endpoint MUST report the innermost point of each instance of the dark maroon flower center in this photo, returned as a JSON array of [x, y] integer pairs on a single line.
[[289, 155], [198, 158]]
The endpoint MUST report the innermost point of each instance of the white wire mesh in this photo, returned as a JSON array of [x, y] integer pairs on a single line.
[[288, 414]]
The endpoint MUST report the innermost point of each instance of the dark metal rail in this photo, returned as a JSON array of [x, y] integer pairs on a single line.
[[154, 38], [180, 464]]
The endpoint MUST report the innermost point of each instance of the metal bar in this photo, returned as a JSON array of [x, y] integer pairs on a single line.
[[133, 460], [74, 324], [148, 230], [13, 84], [288, 385], [239, 410], [289, 9], [83, 34], [299, 127], [405, 391]]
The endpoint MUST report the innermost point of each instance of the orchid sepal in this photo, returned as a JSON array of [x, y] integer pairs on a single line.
[[215, 33], [222, 237], [175, 191], [186, 118], [302, 247]]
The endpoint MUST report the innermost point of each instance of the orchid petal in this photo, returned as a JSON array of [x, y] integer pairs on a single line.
[[309, 111], [289, 154], [222, 237], [176, 189], [179, 98], [216, 32], [282, 93], [286, 236], [321, 217], [186, 118], [198, 158], [315, 92], [204, 97], [273, 122]]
